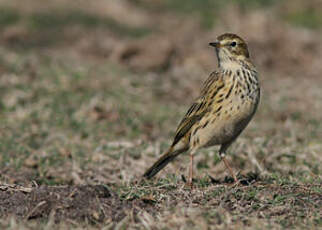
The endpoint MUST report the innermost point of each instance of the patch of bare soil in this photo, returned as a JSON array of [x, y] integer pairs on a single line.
[[90, 203]]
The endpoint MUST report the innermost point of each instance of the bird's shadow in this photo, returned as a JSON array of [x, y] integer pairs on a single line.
[[244, 179]]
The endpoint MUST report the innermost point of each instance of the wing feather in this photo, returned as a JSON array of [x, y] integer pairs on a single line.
[[200, 107]]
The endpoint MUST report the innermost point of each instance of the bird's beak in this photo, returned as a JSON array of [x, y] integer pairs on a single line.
[[215, 44]]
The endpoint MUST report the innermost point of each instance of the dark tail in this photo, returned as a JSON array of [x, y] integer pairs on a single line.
[[162, 162]]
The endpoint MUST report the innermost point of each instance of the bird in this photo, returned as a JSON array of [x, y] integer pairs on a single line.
[[228, 101]]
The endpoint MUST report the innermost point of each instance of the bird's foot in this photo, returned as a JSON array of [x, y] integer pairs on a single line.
[[189, 185], [236, 183]]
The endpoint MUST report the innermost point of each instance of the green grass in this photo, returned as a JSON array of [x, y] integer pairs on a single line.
[[310, 18], [279, 205], [60, 19], [8, 16], [207, 10], [54, 27]]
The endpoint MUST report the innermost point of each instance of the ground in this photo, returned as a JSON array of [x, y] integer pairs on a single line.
[[91, 94]]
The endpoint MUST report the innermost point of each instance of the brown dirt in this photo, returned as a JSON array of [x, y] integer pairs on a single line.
[[89, 203]]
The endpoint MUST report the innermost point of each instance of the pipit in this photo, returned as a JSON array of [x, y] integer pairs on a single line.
[[228, 101]]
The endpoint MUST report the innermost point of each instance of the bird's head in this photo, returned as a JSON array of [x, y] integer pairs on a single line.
[[230, 47]]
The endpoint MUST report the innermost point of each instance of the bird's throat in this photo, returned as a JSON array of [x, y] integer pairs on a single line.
[[230, 65]]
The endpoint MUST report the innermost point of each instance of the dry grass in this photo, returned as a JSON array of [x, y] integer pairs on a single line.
[[94, 99]]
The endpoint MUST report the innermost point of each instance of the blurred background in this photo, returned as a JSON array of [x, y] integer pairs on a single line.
[[91, 91]]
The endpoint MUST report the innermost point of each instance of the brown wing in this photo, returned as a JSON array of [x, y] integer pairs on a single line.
[[200, 107]]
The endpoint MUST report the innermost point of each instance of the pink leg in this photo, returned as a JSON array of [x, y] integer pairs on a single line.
[[223, 157], [190, 183]]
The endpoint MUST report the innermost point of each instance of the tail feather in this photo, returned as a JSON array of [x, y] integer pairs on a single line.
[[162, 162]]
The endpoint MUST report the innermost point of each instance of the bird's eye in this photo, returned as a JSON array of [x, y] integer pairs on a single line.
[[233, 44]]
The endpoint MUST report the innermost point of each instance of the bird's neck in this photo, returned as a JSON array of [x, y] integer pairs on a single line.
[[235, 64], [230, 65]]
